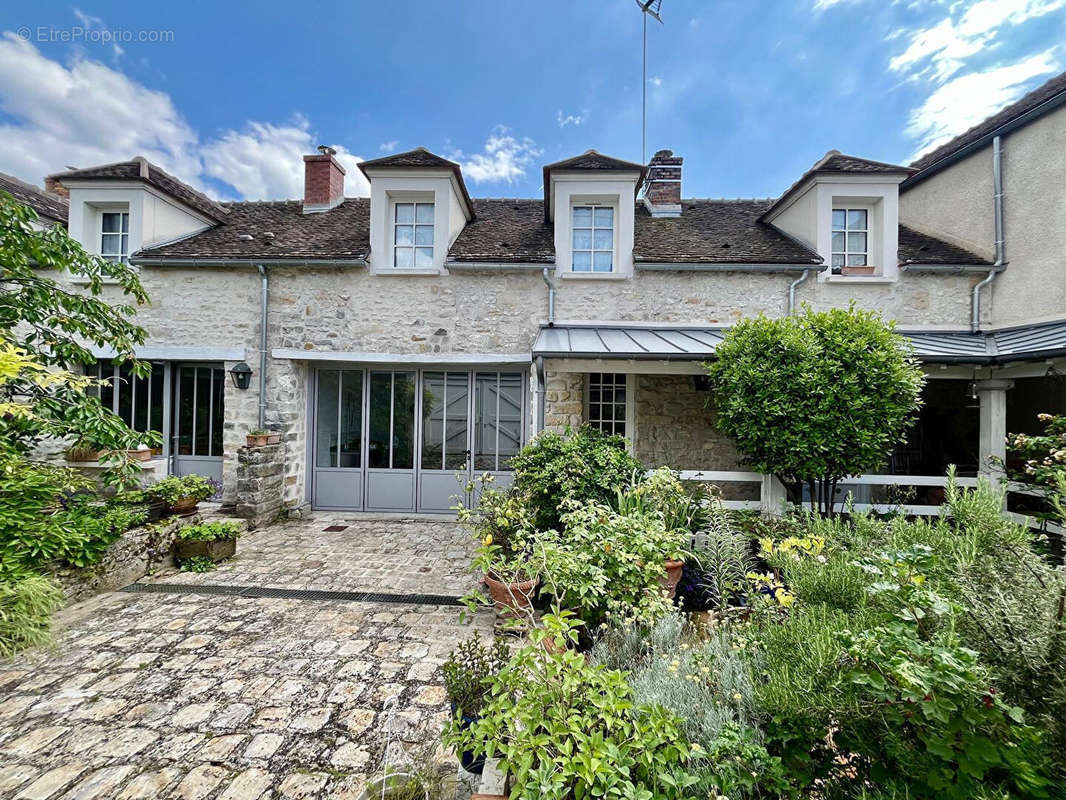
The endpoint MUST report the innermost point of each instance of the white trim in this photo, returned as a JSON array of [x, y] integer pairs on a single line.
[[729, 476], [432, 359], [168, 353], [904, 480]]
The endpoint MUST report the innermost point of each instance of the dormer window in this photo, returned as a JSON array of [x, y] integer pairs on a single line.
[[115, 236], [850, 238], [412, 238], [593, 238]]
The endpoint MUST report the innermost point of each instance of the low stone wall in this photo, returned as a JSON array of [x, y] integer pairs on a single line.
[[261, 484], [133, 555]]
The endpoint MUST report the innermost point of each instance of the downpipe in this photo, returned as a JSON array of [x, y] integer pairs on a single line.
[[1001, 242], [263, 343], [792, 291], [551, 298]]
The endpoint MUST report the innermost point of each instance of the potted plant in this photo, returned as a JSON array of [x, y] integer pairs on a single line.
[[258, 437], [213, 540], [141, 453], [468, 675], [502, 527], [181, 495], [153, 506], [81, 452]]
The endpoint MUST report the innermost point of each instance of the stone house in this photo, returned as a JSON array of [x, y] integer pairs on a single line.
[[396, 338]]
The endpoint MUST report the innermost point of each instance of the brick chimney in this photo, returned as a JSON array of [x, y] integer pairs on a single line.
[[662, 187], [323, 181], [53, 186]]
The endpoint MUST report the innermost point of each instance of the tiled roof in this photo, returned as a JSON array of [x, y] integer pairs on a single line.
[[835, 162], [140, 169], [1052, 91], [506, 231], [591, 159], [715, 231], [918, 248], [47, 205], [420, 157], [342, 233]]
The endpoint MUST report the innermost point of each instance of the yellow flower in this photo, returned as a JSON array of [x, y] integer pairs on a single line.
[[488, 540], [738, 696], [918, 580]]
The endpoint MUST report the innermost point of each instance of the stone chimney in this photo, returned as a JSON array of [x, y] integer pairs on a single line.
[[53, 186], [662, 187], [323, 181]]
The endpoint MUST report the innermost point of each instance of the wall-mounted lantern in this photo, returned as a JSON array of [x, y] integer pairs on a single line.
[[241, 374]]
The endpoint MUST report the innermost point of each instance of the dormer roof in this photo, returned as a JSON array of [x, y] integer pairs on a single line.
[[836, 163], [589, 161], [141, 169], [420, 158]]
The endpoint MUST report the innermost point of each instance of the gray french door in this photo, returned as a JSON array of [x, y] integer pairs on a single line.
[[196, 435], [406, 440]]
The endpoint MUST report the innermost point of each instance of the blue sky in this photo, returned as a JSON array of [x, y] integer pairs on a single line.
[[750, 93]]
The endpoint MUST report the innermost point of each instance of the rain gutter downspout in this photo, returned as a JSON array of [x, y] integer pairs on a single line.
[[551, 298], [792, 291], [263, 344], [997, 204], [538, 426]]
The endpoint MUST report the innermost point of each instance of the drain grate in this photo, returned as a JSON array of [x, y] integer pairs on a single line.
[[292, 594], [334, 528]]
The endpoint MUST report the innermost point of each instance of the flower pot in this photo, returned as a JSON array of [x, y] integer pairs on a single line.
[[184, 505], [139, 455], [673, 575], [216, 550], [856, 270], [77, 456], [256, 440], [273, 438], [514, 599], [469, 761]]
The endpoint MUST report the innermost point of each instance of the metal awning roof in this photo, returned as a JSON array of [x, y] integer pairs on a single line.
[[662, 343]]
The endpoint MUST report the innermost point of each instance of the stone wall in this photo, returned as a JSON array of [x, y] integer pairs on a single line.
[[675, 427], [261, 484], [564, 400]]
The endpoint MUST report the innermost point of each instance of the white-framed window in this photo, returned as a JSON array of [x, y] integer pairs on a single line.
[[412, 234], [607, 402], [851, 238], [115, 235], [592, 238]]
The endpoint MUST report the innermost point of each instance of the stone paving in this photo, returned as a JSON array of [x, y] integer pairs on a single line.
[[195, 697]]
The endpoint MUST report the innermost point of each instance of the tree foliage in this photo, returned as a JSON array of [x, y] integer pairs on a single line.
[[816, 397]]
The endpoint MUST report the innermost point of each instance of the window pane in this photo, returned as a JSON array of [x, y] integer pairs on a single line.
[[125, 394], [433, 420], [217, 411], [405, 212], [856, 219], [186, 382], [125, 223], [582, 239], [425, 212], [124, 248], [424, 257], [201, 442], [856, 242], [607, 402], [404, 257], [351, 434], [140, 404], [326, 418], [582, 261], [838, 259], [602, 261], [155, 409], [604, 217], [485, 401], [424, 234], [510, 419], [455, 444], [109, 245], [604, 239], [405, 234], [582, 216], [403, 421], [839, 218], [857, 261], [112, 223], [380, 413], [838, 242]]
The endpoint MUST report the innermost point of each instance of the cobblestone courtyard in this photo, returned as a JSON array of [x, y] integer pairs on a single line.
[[199, 696]]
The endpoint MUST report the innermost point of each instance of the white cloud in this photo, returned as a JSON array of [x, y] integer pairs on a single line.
[[968, 99], [655, 81], [504, 158], [86, 113], [571, 119], [822, 5], [388, 147], [942, 50]]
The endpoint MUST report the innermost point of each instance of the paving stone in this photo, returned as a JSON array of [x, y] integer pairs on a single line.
[[248, 785], [51, 782], [34, 742], [232, 715], [194, 714], [149, 784], [13, 776], [264, 745], [311, 720], [358, 720], [102, 783], [297, 785], [200, 782], [430, 695]]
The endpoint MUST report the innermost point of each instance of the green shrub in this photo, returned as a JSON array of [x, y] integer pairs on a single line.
[[835, 583], [469, 671], [502, 527], [171, 490], [27, 603], [211, 531], [585, 466], [197, 564]]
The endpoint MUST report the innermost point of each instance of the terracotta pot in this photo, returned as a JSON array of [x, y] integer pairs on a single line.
[[856, 270], [139, 455], [512, 598], [81, 457], [673, 576], [273, 438], [256, 441], [216, 550], [185, 505]]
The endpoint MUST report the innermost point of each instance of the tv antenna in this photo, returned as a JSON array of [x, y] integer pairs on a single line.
[[647, 8]]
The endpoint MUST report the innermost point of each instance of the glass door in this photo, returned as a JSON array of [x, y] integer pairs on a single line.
[[198, 417], [391, 439], [499, 412], [445, 439], [337, 481]]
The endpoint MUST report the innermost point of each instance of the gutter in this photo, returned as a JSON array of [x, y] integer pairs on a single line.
[[721, 267], [954, 269], [1001, 244], [496, 266], [792, 291], [247, 262], [263, 343]]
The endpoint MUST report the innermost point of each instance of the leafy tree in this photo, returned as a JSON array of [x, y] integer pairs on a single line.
[[816, 397], [46, 326]]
